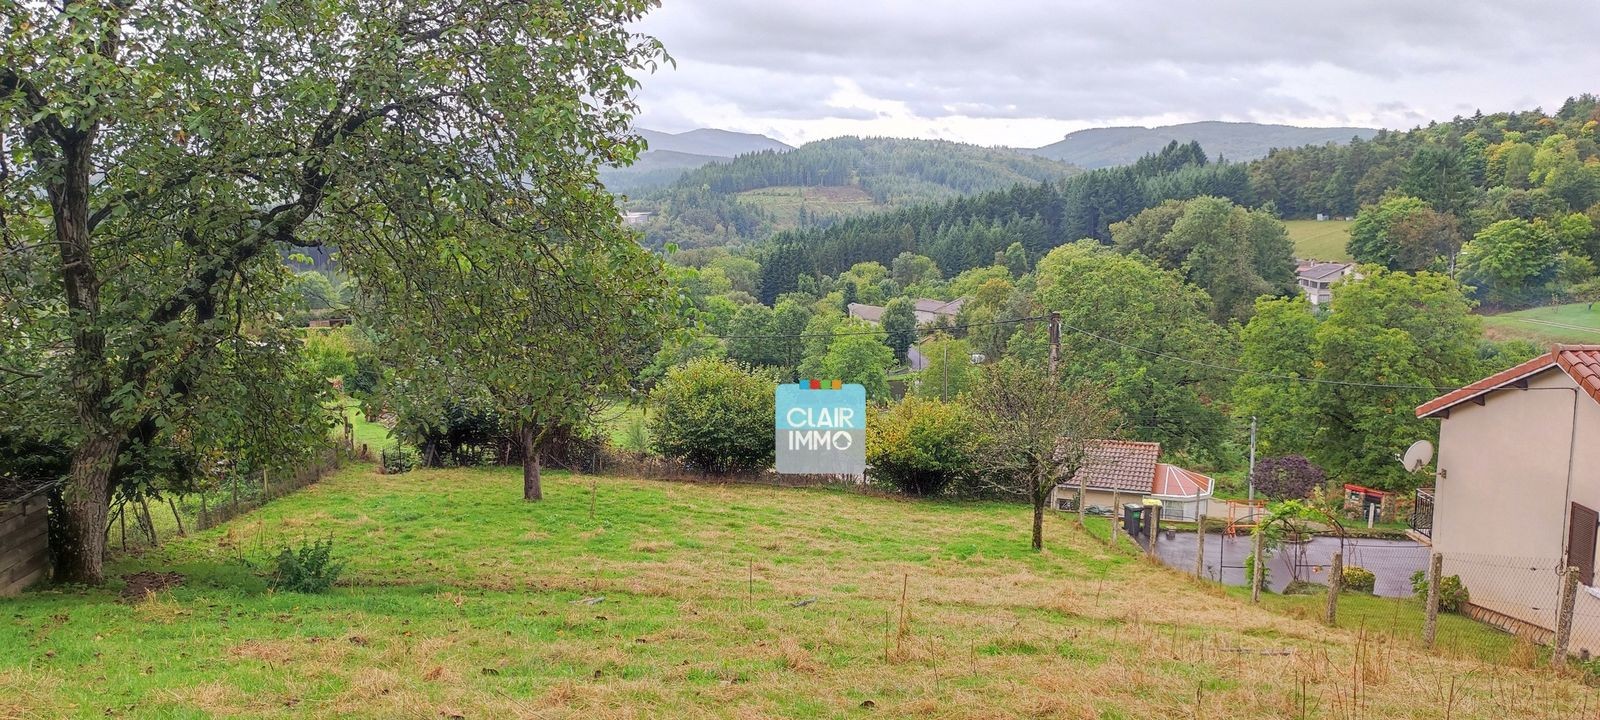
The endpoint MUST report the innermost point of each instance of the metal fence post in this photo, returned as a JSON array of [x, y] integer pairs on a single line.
[[1569, 596], [1335, 585], [1200, 548], [1257, 565], [1430, 625]]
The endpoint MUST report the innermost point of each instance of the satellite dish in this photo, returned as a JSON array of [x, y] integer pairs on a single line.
[[1419, 454]]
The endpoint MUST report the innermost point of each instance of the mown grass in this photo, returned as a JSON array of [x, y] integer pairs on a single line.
[[1572, 323], [461, 600], [1320, 240]]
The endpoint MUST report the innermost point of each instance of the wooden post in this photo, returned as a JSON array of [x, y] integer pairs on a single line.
[[1257, 565], [1083, 496], [205, 513], [175, 515], [1335, 585], [1116, 513], [149, 523], [263, 486], [1569, 596], [1430, 623], [1200, 548]]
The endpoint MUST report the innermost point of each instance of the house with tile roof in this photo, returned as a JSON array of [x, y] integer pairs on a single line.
[[1316, 279], [1126, 471], [1518, 485], [928, 311]]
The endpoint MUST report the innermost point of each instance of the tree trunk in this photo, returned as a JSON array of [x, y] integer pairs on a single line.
[[531, 491], [1040, 497], [88, 492], [87, 497]]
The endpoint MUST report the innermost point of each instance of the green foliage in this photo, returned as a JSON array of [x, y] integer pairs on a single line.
[[328, 351], [950, 372], [1172, 396], [860, 359], [398, 460], [1389, 339], [1036, 430], [1513, 261], [1234, 254], [899, 326], [922, 446], [1453, 595], [715, 415], [1370, 237], [1358, 579], [310, 568], [713, 205], [1250, 570], [212, 141]]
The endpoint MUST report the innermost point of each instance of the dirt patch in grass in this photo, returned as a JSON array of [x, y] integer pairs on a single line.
[[141, 585]]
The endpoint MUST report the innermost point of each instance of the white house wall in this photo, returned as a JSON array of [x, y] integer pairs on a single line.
[[1503, 495]]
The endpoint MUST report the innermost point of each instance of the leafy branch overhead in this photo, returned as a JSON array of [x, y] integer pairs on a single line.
[[160, 156]]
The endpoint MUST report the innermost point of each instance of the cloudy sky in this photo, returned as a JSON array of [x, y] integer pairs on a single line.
[[1026, 72]]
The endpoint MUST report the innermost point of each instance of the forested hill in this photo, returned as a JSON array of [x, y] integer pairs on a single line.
[[1235, 141], [820, 183], [1514, 197], [967, 232]]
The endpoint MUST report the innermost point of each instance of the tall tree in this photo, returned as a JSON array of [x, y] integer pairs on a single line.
[[1037, 430], [174, 148], [1144, 335], [546, 336], [900, 326]]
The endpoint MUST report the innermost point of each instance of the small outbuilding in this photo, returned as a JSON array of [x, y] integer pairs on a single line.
[[1128, 471]]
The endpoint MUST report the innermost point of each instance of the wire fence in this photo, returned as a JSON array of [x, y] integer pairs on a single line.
[[137, 524], [1501, 609]]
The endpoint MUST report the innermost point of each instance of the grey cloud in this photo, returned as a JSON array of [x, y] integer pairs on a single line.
[[1087, 60]]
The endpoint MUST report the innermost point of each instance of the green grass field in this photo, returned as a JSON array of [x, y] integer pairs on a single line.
[[1574, 323], [784, 202], [685, 600], [1320, 240]]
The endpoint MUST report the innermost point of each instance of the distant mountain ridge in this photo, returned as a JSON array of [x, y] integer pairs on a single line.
[[1236, 141], [710, 141]]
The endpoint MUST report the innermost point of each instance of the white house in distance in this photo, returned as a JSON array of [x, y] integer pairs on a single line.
[[1518, 489], [1127, 471], [1316, 279]]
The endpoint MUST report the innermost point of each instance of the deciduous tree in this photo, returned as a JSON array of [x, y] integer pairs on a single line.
[[1036, 430], [160, 155]]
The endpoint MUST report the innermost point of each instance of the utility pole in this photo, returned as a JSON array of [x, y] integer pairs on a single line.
[[1055, 343], [944, 395], [1251, 478]]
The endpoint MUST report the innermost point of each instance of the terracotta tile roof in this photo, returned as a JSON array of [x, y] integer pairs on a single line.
[[1582, 362], [1174, 481], [1125, 465]]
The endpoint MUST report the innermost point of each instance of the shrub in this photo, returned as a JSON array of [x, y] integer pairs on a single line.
[[1452, 594], [1359, 579], [308, 569], [1290, 477], [921, 446], [1250, 569], [715, 415], [399, 460]]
